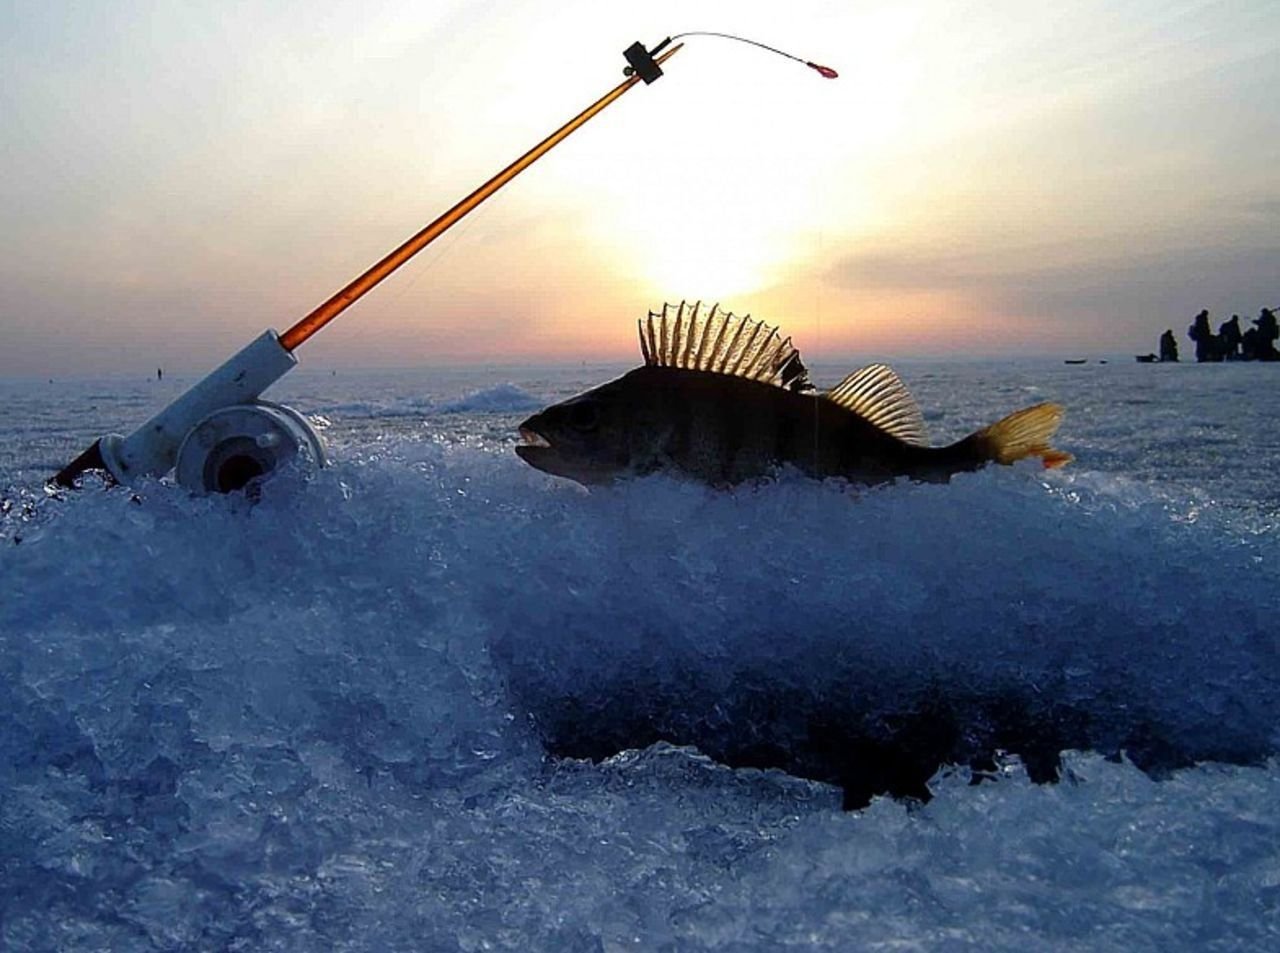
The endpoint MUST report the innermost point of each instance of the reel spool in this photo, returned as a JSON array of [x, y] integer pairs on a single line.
[[237, 446]]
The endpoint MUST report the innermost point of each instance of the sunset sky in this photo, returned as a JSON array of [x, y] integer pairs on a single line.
[[983, 179]]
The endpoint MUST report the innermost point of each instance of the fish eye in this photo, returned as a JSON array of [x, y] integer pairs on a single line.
[[584, 416]]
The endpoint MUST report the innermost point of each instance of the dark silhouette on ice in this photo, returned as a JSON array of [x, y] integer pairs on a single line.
[[1262, 347], [1229, 338], [1230, 343], [1206, 340], [1168, 351]]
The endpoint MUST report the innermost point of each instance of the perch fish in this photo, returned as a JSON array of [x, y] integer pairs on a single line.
[[723, 399]]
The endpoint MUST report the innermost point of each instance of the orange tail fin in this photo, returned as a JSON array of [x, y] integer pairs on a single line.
[[1024, 433]]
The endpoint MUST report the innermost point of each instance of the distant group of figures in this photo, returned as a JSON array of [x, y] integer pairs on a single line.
[[1229, 343]]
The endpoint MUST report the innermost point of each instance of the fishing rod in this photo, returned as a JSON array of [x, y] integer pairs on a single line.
[[642, 64], [220, 435]]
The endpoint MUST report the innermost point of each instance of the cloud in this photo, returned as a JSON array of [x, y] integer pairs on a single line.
[[1267, 210], [907, 270], [1130, 289]]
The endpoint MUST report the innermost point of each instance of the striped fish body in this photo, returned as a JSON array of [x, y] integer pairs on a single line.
[[724, 430]]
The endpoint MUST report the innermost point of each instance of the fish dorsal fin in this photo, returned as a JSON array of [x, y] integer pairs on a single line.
[[721, 343], [879, 397]]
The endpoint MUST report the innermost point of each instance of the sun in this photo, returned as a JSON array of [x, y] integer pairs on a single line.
[[685, 230], [714, 257]]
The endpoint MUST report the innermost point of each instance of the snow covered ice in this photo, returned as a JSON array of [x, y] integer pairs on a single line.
[[323, 721]]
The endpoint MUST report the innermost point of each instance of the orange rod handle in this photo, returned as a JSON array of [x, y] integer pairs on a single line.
[[348, 296]]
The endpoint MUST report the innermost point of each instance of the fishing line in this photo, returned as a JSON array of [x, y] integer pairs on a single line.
[[825, 71], [428, 262]]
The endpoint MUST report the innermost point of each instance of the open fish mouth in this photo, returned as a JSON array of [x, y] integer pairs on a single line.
[[535, 449], [562, 460], [531, 438]]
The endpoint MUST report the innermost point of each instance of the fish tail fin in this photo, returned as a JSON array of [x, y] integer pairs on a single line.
[[1024, 433]]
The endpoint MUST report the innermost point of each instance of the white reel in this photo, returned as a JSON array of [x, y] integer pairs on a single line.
[[239, 445]]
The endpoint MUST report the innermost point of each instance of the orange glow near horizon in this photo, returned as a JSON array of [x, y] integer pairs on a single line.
[[830, 327]]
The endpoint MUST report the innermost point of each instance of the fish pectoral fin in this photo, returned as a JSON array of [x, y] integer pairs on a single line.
[[1024, 433], [877, 395]]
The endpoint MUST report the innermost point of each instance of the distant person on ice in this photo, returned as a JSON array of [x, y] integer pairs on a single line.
[[1229, 338], [1206, 340], [1267, 330], [1168, 348]]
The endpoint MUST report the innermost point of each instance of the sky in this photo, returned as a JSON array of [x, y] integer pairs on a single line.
[[984, 179]]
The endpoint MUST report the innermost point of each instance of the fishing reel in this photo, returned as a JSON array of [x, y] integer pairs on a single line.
[[218, 437], [244, 444]]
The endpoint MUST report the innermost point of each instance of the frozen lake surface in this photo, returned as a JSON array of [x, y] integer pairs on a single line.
[[322, 721]]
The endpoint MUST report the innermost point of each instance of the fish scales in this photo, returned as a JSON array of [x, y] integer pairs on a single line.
[[729, 429]]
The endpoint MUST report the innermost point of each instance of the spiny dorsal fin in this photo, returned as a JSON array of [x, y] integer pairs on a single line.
[[721, 343], [877, 396]]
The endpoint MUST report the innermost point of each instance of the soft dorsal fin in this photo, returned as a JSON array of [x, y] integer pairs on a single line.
[[876, 394], [721, 343]]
